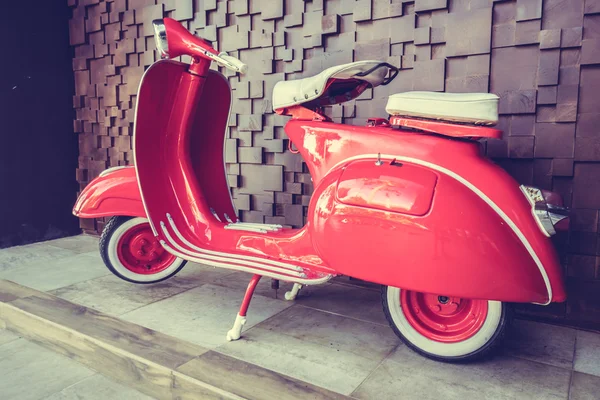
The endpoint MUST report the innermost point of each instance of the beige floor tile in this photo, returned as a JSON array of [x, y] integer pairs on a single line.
[[584, 387], [239, 280], [47, 275], [98, 387], [115, 296], [364, 339], [193, 275], [321, 365], [78, 244], [549, 344], [203, 315], [7, 336], [30, 372], [406, 372], [349, 300], [587, 353], [20, 256]]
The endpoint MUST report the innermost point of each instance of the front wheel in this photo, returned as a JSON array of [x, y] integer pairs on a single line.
[[131, 252], [445, 328]]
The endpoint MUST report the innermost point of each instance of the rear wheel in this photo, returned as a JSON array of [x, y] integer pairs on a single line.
[[445, 328], [130, 251]]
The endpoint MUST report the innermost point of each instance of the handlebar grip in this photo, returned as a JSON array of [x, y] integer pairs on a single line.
[[234, 62]]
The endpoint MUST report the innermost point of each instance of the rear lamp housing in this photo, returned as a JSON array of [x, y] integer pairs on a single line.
[[547, 210]]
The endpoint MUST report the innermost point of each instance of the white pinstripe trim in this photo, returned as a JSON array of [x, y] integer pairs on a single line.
[[268, 273], [224, 257], [236, 256], [479, 193]]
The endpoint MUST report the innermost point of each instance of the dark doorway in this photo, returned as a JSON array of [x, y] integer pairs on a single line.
[[38, 149]]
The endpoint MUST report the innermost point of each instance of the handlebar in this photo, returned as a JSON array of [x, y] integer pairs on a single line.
[[232, 63], [173, 40]]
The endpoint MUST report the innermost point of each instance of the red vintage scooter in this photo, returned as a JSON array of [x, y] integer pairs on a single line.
[[408, 203]]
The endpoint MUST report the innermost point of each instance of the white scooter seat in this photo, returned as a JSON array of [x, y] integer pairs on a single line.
[[474, 108], [298, 91]]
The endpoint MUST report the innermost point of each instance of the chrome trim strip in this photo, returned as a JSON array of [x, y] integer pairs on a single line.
[[236, 256], [225, 257], [264, 226], [481, 195], [245, 228], [252, 227]]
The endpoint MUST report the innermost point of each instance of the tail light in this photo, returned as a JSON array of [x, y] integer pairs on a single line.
[[547, 209]]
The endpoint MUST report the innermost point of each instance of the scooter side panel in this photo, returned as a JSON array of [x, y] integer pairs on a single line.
[[326, 145], [112, 193], [167, 100], [459, 248]]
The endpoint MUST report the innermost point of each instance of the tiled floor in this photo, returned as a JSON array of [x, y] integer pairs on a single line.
[[334, 336], [31, 372]]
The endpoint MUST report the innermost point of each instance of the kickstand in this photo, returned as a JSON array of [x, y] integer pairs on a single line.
[[292, 294], [236, 332]]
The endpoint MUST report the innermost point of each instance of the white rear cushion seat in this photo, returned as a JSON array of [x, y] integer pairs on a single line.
[[477, 108]]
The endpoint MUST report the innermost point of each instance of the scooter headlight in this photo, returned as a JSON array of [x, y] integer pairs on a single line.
[[546, 215], [160, 37]]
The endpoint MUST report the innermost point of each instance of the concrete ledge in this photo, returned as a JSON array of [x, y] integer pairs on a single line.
[[151, 362]]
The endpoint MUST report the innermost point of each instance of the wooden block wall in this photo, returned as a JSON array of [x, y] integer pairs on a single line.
[[542, 57]]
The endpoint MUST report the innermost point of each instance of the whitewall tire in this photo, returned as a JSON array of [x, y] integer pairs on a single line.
[[130, 251], [445, 328]]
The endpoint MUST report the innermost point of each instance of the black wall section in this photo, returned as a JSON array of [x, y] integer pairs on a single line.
[[38, 149]]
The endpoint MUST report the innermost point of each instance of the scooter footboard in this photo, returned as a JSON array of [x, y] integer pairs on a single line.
[[438, 236]]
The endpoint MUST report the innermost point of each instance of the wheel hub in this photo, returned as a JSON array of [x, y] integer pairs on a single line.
[[140, 252], [443, 318]]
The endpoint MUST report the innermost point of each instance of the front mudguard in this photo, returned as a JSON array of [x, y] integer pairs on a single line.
[[114, 192], [460, 247]]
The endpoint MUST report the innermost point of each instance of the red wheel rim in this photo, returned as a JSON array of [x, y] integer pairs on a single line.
[[141, 253], [441, 318]]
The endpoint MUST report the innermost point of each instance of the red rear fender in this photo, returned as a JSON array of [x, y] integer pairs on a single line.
[[426, 232], [114, 192]]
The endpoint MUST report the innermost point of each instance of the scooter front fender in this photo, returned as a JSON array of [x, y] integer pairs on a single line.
[[114, 192]]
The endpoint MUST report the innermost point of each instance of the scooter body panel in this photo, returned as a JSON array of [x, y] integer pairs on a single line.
[[442, 219], [478, 240], [458, 248], [114, 192]]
